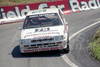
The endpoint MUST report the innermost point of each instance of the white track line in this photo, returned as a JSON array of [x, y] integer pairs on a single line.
[[65, 58]]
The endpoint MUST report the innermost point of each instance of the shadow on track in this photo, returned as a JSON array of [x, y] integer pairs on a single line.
[[16, 53]]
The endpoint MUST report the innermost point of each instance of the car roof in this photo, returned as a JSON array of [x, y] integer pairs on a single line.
[[43, 11]]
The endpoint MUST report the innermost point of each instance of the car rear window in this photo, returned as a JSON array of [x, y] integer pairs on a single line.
[[42, 20]]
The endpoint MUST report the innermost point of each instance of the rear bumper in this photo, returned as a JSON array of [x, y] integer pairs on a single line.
[[41, 49], [50, 47]]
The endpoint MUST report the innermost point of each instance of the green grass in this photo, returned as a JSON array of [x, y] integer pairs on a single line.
[[16, 2], [95, 45]]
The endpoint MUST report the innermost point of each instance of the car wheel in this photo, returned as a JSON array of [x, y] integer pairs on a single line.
[[23, 53], [66, 50]]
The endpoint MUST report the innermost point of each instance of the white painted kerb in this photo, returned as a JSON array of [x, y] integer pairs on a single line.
[[65, 58]]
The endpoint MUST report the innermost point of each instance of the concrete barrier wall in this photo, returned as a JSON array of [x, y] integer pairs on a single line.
[[16, 13]]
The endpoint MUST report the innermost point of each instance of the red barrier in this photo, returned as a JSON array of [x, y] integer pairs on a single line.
[[18, 12]]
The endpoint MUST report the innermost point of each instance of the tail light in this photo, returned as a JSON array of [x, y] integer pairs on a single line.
[[59, 42], [26, 45]]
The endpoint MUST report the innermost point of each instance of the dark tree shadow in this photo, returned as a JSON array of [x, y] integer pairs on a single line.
[[16, 53]]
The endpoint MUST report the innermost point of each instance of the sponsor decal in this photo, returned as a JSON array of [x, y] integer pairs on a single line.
[[84, 5], [43, 49], [42, 30], [41, 34]]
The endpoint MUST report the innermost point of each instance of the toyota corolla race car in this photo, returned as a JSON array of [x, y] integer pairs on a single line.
[[44, 30]]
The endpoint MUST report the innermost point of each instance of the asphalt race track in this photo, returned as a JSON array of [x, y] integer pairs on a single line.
[[78, 55]]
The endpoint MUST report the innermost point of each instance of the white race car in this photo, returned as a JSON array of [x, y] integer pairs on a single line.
[[44, 30]]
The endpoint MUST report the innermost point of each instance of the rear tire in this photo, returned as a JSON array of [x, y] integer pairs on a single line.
[[23, 53], [66, 50]]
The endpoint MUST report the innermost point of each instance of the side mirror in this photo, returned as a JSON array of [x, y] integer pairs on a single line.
[[19, 28], [66, 23], [64, 20]]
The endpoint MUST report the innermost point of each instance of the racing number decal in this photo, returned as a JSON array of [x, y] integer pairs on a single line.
[[42, 30]]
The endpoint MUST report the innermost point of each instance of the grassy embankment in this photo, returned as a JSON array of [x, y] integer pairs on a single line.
[[16, 2], [95, 45]]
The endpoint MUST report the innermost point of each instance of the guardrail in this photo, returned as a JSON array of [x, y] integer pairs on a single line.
[[16, 13]]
